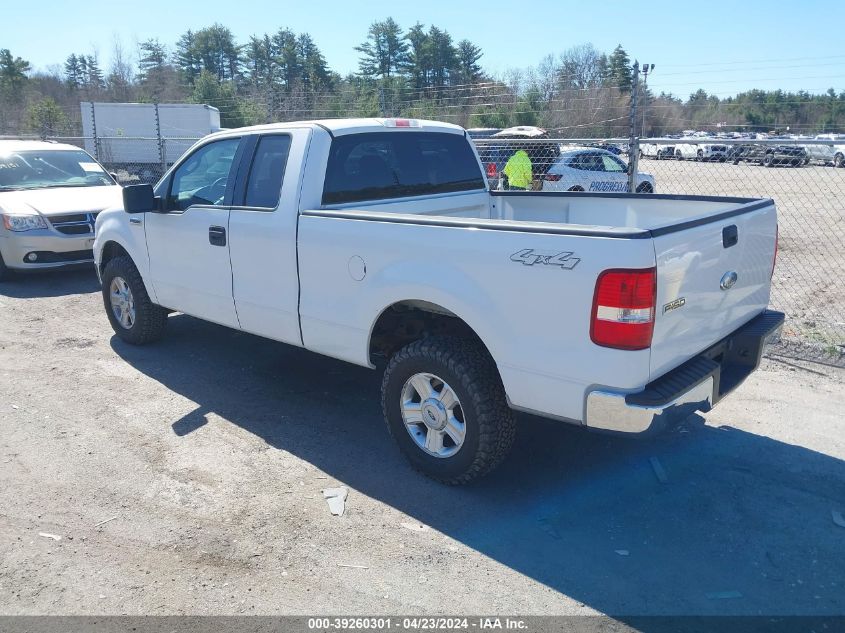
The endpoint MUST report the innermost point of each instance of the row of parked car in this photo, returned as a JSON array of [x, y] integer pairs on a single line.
[[767, 154]]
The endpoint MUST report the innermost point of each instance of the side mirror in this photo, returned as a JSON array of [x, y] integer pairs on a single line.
[[139, 199]]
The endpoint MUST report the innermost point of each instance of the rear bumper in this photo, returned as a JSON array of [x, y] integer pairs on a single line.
[[697, 385]]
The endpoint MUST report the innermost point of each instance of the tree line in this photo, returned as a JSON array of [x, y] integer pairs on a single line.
[[421, 71]]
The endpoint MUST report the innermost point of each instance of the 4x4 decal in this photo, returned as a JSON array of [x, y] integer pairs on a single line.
[[529, 257]]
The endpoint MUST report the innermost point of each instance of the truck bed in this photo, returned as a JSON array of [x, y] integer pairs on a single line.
[[594, 213]]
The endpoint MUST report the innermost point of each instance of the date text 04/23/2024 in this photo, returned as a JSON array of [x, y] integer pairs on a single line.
[[416, 624]]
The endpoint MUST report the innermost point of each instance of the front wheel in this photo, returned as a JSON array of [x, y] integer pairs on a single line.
[[678, 154], [133, 316], [839, 160], [445, 406], [645, 187], [769, 161]]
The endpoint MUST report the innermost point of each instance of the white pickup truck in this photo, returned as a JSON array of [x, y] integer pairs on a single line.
[[376, 240]]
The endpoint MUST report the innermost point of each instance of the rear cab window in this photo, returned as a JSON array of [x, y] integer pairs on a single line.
[[382, 165], [267, 171]]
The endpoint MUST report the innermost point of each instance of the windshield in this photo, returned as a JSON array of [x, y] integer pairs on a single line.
[[41, 169]]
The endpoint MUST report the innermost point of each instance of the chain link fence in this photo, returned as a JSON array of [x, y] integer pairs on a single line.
[[802, 176]]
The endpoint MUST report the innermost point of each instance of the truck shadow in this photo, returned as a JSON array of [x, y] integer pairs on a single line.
[[741, 526], [51, 283]]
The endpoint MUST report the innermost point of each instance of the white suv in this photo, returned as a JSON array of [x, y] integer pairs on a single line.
[[50, 195]]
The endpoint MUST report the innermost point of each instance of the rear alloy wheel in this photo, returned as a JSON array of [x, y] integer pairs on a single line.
[[445, 406], [839, 160], [678, 154], [645, 187], [769, 161]]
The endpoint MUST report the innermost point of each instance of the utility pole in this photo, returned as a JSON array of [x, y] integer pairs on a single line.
[[633, 145]]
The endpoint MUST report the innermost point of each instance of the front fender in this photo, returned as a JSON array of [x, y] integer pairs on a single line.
[[113, 226]]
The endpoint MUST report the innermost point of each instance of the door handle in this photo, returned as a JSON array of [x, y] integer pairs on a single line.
[[217, 236]]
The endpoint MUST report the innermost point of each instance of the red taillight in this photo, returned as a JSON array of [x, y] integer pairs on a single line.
[[491, 170], [775, 258], [552, 177], [623, 309]]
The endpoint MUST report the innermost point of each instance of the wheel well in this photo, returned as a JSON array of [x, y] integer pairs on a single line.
[[110, 251], [408, 321]]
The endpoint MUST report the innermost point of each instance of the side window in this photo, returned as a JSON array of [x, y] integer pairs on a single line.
[[612, 164], [593, 162], [264, 184], [203, 177]]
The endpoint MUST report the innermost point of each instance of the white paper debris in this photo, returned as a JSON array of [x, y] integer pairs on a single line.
[[55, 537], [622, 552], [336, 498]]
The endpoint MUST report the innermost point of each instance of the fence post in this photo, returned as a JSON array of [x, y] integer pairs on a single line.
[[633, 142], [161, 157], [382, 106], [94, 132]]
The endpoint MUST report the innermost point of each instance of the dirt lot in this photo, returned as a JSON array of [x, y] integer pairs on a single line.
[[210, 450]]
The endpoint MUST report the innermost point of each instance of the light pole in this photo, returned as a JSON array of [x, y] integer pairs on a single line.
[[647, 68]]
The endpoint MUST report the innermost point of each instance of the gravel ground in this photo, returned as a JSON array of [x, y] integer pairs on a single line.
[[209, 451]]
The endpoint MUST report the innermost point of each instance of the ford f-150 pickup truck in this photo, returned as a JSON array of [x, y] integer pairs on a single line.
[[377, 241]]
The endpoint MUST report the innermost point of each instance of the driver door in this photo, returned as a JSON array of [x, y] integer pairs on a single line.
[[188, 241]]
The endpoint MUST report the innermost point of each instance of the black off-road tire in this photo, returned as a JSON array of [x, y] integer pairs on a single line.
[[150, 319], [471, 373]]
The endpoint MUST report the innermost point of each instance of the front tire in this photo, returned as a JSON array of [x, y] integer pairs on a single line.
[[444, 404], [645, 187], [839, 160], [133, 316]]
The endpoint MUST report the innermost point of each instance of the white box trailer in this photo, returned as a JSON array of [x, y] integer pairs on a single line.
[[128, 134]]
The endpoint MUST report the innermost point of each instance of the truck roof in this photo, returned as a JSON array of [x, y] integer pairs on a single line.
[[7, 146], [341, 127]]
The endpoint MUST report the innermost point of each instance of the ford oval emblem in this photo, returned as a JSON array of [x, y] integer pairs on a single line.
[[728, 280]]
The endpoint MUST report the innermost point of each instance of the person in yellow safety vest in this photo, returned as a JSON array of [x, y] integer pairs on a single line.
[[518, 170]]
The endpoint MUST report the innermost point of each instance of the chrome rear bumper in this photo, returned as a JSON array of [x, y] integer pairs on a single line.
[[697, 385]]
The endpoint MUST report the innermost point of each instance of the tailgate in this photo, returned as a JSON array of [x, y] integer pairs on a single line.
[[712, 277]]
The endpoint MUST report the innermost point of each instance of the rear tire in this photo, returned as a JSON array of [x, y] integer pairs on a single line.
[[769, 161], [576, 188], [124, 293], [839, 160], [699, 155], [678, 154], [645, 187], [486, 426]]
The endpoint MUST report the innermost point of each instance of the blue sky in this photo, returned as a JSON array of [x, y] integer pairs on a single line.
[[724, 47]]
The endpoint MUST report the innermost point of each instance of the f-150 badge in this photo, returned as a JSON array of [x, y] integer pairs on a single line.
[[529, 257]]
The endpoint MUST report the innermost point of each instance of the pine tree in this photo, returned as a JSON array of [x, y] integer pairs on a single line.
[[72, 72], [468, 70], [384, 52], [619, 69], [186, 57]]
